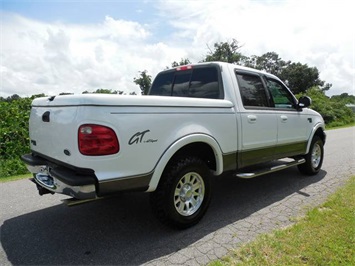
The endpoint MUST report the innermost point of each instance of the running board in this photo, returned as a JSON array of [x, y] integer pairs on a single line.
[[271, 169]]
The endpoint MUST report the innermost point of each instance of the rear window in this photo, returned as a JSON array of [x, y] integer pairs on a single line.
[[196, 82]]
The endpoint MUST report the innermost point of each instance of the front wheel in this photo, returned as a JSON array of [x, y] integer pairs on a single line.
[[183, 194], [314, 158]]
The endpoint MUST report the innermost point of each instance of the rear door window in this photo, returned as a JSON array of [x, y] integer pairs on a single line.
[[252, 90]]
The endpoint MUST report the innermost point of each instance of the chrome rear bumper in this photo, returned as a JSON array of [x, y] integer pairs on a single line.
[[55, 178], [45, 180]]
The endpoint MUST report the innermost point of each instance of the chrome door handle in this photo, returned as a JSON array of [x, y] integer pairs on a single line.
[[252, 118], [284, 118]]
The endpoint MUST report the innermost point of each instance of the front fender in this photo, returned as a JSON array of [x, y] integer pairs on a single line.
[[176, 146]]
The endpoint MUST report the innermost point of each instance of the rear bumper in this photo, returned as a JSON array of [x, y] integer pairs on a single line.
[[76, 182]]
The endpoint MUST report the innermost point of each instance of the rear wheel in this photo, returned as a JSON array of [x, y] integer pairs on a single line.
[[183, 194], [314, 158]]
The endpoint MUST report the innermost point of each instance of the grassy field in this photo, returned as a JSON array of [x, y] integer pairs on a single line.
[[325, 236], [13, 178], [337, 127]]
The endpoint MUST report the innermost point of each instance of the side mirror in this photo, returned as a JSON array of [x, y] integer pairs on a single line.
[[304, 102]]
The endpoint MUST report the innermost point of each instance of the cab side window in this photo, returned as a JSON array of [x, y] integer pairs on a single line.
[[252, 90], [280, 94]]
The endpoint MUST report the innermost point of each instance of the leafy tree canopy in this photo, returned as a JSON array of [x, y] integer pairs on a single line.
[[144, 81], [225, 52], [299, 77], [269, 62], [104, 91], [183, 61], [344, 98]]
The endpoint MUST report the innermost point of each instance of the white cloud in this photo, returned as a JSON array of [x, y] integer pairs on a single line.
[[42, 57], [53, 58], [319, 33]]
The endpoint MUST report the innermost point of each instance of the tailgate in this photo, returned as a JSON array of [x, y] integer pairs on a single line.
[[53, 131]]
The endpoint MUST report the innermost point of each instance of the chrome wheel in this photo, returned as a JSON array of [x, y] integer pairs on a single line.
[[189, 194], [316, 155]]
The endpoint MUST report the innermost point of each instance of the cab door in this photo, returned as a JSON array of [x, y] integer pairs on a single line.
[[258, 121], [291, 122]]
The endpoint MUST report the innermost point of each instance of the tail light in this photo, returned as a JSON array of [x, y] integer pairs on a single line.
[[182, 68], [94, 140]]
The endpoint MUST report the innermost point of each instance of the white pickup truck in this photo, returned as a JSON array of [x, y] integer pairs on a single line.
[[198, 121]]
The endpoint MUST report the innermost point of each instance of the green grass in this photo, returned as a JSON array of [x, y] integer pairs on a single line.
[[325, 236], [330, 127], [13, 178]]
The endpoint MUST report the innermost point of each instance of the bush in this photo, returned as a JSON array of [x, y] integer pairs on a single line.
[[334, 111], [14, 137]]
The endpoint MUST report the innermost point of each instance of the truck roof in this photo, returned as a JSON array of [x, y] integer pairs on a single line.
[[228, 65]]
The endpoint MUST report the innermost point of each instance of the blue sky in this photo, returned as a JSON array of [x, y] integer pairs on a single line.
[[81, 11], [73, 46], [87, 11]]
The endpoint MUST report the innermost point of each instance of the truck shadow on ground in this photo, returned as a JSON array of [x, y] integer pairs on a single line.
[[123, 231]]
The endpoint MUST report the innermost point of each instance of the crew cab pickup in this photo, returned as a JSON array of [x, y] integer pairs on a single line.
[[198, 121]]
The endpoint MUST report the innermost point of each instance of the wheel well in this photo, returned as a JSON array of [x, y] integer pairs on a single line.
[[320, 133], [200, 150]]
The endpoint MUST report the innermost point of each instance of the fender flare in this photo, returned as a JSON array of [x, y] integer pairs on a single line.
[[314, 130], [176, 146]]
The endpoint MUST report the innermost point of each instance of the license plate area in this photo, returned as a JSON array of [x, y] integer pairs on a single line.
[[44, 179]]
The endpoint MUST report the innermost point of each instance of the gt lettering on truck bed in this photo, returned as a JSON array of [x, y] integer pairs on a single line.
[[197, 122], [138, 137]]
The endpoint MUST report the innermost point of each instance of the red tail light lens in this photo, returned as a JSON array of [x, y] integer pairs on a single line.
[[182, 68], [94, 140]]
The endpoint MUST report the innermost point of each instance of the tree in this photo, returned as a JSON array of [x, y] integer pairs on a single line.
[[104, 91], [144, 81], [269, 62], [225, 52], [11, 98], [183, 61], [344, 98], [300, 77]]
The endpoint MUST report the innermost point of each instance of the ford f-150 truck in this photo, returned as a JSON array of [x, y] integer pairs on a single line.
[[198, 121]]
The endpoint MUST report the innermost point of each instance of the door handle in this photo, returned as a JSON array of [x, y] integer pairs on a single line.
[[252, 118], [284, 118]]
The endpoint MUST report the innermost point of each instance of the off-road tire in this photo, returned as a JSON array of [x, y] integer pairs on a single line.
[[183, 194]]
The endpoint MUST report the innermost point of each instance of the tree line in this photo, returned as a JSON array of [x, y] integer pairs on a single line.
[[297, 76], [302, 79]]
